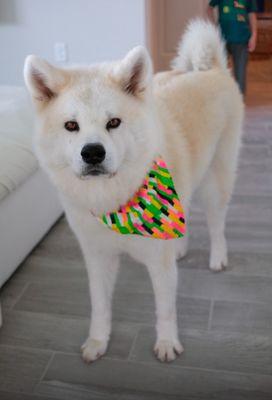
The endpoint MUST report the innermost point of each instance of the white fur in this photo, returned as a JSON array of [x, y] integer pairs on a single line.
[[200, 48], [193, 120]]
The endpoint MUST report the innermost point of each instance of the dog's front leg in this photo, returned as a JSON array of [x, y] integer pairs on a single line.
[[163, 273], [102, 271]]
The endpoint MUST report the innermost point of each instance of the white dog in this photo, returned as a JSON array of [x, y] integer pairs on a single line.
[[99, 130]]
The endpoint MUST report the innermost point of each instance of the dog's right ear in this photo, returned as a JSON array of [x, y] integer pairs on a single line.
[[42, 79]]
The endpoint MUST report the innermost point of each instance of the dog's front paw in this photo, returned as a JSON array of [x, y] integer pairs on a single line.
[[93, 349], [218, 262], [219, 256], [167, 350]]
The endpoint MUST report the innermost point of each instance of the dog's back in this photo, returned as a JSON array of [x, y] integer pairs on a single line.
[[201, 98]]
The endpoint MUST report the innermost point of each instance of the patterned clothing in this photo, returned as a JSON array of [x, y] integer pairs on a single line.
[[155, 210], [234, 19]]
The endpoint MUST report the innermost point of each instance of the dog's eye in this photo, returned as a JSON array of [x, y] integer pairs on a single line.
[[113, 123], [71, 126]]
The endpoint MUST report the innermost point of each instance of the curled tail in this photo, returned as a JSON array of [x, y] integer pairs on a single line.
[[201, 48]]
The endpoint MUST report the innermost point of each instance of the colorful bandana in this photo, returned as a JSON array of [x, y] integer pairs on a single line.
[[155, 210]]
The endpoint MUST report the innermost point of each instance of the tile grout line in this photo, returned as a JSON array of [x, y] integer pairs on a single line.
[[134, 342], [45, 370], [38, 395], [19, 296], [210, 315], [188, 367], [174, 366], [50, 314], [185, 331]]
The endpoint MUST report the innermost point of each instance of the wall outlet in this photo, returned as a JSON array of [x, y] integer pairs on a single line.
[[61, 52]]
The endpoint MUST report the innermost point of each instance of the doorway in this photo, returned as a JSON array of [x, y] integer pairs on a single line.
[[165, 22]]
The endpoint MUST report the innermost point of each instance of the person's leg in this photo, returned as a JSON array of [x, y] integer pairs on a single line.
[[240, 57]]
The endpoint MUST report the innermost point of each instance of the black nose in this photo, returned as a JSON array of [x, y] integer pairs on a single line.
[[93, 153]]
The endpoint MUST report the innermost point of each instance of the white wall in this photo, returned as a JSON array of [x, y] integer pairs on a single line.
[[94, 30]]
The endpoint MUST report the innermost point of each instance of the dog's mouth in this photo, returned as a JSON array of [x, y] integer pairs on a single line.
[[95, 171]]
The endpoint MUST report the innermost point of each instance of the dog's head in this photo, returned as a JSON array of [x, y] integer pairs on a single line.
[[93, 121]]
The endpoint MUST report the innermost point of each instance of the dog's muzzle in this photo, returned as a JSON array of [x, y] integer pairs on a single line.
[[93, 155]]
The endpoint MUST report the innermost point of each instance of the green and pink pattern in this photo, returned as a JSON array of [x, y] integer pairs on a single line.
[[155, 211]]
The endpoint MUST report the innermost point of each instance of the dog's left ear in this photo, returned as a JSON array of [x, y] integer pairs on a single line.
[[135, 71]]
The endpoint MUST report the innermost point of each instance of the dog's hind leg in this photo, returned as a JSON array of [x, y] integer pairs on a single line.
[[215, 193], [215, 204]]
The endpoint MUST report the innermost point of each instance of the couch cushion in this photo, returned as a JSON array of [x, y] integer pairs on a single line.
[[17, 161]]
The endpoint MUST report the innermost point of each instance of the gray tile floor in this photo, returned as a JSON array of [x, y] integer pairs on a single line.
[[225, 319]]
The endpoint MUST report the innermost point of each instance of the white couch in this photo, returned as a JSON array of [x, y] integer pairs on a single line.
[[29, 204]]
